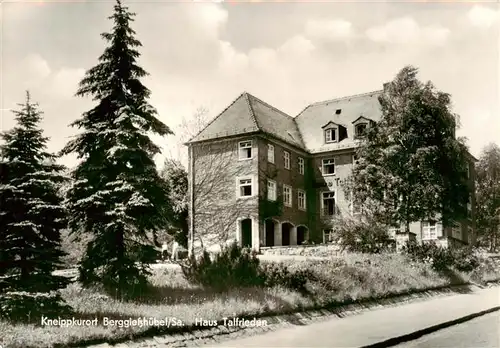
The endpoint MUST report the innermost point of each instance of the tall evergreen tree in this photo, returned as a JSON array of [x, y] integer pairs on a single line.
[[412, 167], [117, 194], [31, 218]]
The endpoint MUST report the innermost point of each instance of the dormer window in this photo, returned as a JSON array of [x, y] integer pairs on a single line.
[[360, 130], [361, 125], [330, 135]]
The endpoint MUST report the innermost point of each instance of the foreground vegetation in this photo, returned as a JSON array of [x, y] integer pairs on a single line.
[[283, 287]]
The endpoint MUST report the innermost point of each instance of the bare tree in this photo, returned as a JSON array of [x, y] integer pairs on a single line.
[[216, 167]]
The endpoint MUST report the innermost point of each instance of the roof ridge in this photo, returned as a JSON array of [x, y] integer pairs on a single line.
[[339, 99], [347, 97], [252, 113], [216, 117], [280, 112], [270, 106]]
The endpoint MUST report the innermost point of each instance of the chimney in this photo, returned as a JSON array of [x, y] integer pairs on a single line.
[[386, 85]]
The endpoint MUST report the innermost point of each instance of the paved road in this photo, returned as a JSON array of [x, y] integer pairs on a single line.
[[376, 326], [483, 332]]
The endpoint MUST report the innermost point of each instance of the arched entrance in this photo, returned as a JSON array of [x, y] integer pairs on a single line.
[[270, 226], [301, 235], [286, 229], [246, 233]]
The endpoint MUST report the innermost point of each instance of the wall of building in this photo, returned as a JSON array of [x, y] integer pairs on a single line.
[[335, 183], [217, 166], [276, 171], [217, 207]]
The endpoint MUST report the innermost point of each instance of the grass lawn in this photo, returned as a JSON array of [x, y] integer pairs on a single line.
[[351, 277]]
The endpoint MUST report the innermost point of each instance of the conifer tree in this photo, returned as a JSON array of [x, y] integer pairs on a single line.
[[31, 218], [117, 193]]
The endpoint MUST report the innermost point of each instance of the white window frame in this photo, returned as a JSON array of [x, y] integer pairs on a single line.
[[301, 202], [427, 230], [285, 203], [270, 195], [301, 164], [239, 186], [270, 153], [243, 146], [323, 164], [286, 159], [330, 135], [356, 129], [327, 232], [323, 202]]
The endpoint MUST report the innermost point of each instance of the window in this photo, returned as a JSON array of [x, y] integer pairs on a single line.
[[245, 150], [286, 156], [330, 135], [328, 203], [328, 166], [338, 111], [360, 130], [301, 165], [270, 153], [271, 190], [328, 236], [287, 195], [429, 230], [245, 187], [468, 171], [301, 199]]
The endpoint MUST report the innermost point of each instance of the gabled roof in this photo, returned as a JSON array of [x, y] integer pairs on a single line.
[[331, 123], [249, 114], [311, 119], [362, 118]]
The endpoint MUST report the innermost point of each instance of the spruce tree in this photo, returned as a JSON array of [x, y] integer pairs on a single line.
[[117, 193], [31, 218]]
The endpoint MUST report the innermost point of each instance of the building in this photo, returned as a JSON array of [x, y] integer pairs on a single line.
[[265, 178]]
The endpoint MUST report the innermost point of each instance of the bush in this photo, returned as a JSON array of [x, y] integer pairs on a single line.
[[363, 236], [442, 259], [232, 267], [24, 307], [239, 267], [465, 259], [278, 274]]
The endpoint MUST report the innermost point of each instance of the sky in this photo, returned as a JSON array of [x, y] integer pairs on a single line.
[[289, 54]]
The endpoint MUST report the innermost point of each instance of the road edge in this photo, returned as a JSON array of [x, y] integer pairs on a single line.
[[431, 329]]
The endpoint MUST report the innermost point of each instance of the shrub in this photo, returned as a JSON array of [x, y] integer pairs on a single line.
[[462, 259], [24, 307], [278, 274], [440, 258], [232, 267], [465, 259], [239, 267], [364, 236]]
